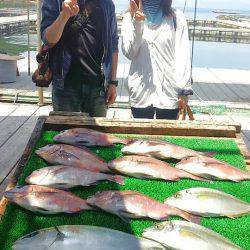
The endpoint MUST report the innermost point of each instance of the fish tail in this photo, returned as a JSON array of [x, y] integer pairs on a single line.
[[126, 141], [85, 206], [209, 153], [197, 178], [117, 179], [189, 217]]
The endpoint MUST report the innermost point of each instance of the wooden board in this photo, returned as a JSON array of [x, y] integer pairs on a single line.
[[24, 159], [138, 126]]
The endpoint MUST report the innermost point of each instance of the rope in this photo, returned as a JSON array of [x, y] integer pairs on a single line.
[[185, 5], [192, 54]]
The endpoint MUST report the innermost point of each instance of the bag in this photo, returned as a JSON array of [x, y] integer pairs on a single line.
[[43, 75]]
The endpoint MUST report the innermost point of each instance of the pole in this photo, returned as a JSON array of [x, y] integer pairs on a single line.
[[39, 46], [28, 31]]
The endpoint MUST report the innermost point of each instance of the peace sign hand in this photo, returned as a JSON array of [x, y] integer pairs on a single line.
[[136, 11], [70, 8]]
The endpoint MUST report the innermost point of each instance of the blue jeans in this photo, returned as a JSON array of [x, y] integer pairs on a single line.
[[150, 112], [80, 94]]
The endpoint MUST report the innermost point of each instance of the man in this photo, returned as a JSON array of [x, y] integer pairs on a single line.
[[84, 38]]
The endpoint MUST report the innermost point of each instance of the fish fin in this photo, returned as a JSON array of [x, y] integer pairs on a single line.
[[230, 216], [187, 216], [41, 209], [123, 217], [59, 237], [126, 141], [209, 153], [117, 179], [193, 218]]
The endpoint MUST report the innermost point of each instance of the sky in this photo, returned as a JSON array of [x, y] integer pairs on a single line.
[[212, 4]]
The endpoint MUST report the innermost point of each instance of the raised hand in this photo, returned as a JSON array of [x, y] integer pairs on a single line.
[[136, 11], [70, 8]]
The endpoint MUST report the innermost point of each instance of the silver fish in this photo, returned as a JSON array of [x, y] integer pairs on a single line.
[[148, 168], [160, 149], [131, 204], [88, 137], [208, 202], [68, 177], [211, 168], [83, 237], [46, 200], [183, 235], [72, 156]]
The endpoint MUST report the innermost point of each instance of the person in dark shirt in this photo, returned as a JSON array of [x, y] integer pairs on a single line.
[[82, 37]]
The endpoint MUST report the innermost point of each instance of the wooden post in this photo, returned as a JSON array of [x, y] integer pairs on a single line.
[[28, 31], [39, 46]]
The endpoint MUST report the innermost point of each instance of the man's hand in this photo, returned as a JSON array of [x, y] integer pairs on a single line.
[[183, 101], [70, 8], [111, 95], [136, 11]]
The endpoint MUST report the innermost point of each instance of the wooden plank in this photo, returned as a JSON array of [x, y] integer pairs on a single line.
[[211, 95], [209, 121], [244, 150], [235, 97], [12, 123], [223, 94], [6, 110], [201, 95], [36, 134], [12, 150], [139, 126], [242, 91]]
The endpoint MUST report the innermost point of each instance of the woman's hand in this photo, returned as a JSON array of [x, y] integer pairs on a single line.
[[136, 11], [183, 102], [70, 8]]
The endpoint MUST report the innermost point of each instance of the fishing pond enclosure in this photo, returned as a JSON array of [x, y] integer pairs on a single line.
[[151, 129], [201, 134]]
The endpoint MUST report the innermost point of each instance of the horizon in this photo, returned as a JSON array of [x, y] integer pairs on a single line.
[[243, 5]]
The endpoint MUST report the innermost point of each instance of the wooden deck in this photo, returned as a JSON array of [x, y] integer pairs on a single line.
[[17, 122], [210, 84]]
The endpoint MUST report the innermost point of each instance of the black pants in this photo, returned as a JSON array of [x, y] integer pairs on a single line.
[[150, 112]]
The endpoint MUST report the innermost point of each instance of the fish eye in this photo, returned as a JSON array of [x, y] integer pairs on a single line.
[[177, 196], [159, 227]]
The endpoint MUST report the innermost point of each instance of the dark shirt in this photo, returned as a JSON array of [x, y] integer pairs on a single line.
[[84, 40]]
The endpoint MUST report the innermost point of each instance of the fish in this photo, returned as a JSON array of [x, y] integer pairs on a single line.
[[212, 169], [46, 200], [69, 155], [148, 168], [183, 235], [88, 137], [160, 149], [67, 177], [79, 237], [130, 204], [209, 202]]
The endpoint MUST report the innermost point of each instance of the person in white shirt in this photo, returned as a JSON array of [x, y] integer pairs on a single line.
[[155, 39]]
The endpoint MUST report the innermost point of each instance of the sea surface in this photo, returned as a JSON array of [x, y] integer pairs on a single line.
[[206, 54]]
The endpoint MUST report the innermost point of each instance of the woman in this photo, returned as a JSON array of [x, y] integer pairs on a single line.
[[155, 39]]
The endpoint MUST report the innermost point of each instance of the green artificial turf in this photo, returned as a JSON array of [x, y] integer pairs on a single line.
[[17, 222]]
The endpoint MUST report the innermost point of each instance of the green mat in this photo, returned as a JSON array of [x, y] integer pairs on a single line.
[[17, 222]]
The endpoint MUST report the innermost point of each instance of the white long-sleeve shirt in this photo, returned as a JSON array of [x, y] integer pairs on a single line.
[[160, 61]]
